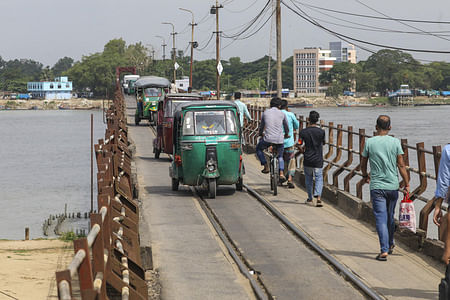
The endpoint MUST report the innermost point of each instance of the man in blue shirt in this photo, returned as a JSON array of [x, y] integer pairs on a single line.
[[243, 111], [289, 150], [273, 129], [442, 194]]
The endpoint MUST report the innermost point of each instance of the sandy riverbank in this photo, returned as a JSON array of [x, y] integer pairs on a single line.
[[28, 268], [53, 104]]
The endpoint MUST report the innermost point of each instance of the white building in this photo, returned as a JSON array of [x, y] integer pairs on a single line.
[[309, 63]]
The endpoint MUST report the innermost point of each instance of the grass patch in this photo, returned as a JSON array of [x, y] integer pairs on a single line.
[[379, 100], [69, 236]]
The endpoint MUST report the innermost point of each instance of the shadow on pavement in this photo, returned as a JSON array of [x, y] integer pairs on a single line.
[[368, 255], [408, 293], [166, 190], [161, 159]]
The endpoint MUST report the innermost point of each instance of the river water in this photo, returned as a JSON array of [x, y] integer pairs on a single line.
[[45, 156], [45, 164]]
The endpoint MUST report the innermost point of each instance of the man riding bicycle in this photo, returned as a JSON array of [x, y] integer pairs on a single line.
[[273, 126]]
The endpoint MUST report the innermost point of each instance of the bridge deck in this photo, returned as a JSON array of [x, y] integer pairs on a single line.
[[193, 265]]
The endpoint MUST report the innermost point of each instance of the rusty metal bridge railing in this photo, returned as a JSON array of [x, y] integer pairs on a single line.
[[342, 158], [107, 262]]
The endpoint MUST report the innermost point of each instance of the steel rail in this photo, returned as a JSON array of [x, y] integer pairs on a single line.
[[260, 294], [329, 258]]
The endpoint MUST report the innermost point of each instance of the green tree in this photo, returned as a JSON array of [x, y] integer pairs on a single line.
[[61, 66]]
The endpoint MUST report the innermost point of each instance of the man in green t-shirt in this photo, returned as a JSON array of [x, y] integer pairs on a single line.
[[385, 155]]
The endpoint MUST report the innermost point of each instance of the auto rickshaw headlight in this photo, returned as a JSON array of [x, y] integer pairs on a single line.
[[211, 165]]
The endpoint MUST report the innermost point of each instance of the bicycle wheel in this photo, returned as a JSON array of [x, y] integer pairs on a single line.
[[271, 173], [276, 175]]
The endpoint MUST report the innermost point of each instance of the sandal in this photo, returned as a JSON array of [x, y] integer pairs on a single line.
[[282, 179], [290, 185], [381, 258], [391, 249]]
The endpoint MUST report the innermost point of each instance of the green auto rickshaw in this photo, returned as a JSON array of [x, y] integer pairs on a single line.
[[207, 146], [149, 91], [131, 87]]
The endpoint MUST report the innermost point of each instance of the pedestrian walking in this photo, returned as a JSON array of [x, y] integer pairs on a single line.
[[312, 139], [289, 149], [385, 155], [442, 194], [242, 108]]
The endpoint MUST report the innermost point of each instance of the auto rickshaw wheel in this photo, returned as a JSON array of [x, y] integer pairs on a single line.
[[212, 188], [137, 119], [175, 184], [239, 184]]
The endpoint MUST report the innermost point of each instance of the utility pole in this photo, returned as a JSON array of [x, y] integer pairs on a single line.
[[174, 49], [279, 68], [192, 45], [215, 10], [163, 46]]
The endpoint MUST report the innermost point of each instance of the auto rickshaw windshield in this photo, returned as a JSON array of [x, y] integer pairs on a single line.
[[209, 123], [152, 92]]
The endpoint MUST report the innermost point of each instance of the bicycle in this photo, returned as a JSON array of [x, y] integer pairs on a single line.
[[274, 168]]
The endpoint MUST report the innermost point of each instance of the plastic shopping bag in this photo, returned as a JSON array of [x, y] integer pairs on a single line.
[[407, 214]]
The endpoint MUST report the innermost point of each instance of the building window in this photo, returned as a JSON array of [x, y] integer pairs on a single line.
[[59, 85], [51, 85], [67, 85]]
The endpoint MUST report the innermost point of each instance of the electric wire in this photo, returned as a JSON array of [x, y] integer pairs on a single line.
[[249, 25], [347, 38], [369, 27], [402, 22], [374, 17], [209, 41], [240, 11]]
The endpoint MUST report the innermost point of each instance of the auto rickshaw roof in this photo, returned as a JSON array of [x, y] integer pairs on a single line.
[[208, 104], [152, 81], [185, 96]]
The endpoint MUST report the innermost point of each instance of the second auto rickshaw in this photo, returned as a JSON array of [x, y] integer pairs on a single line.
[[166, 109], [207, 146], [149, 91]]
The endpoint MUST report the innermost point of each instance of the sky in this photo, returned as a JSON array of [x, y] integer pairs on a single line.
[[46, 30]]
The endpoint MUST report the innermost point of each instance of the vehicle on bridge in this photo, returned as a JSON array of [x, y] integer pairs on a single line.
[[132, 87], [149, 91], [126, 82], [166, 109], [207, 146]]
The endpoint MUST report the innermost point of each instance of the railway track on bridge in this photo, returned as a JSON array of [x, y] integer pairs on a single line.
[[256, 279]]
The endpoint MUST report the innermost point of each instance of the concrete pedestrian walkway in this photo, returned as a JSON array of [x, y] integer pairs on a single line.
[[406, 274]]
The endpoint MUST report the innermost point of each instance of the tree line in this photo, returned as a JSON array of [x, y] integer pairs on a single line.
[[382, 71], [385, 71]]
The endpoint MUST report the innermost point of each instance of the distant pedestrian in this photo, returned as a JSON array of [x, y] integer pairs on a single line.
[[312, 139], [443, 194], [385, 156], [243, 110], [173, 88], [289, 149]]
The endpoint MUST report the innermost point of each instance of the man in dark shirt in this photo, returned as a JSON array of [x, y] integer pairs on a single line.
[[312, 139]]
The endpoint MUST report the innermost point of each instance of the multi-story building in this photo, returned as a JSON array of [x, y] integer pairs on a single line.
[[343, 54], [308, 65], [59, 89]]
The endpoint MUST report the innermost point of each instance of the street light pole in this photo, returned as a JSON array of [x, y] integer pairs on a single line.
[[279, 66], [215, 10], [174, 49], [163, 46], [192, 45]]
